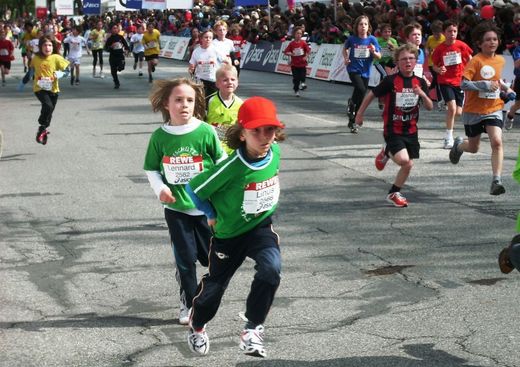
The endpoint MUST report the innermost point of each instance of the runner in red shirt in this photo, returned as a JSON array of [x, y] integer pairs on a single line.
[[6, 55], [298, 50], [449, 60]]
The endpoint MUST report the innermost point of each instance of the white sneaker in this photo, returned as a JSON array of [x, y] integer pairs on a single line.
[[184, 314], [252, 342], [509, 122], [198, 341], [448, 143], [101, 75], [297, 94]]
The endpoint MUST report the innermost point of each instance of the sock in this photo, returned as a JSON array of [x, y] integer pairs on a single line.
[[497, 178], [394, 189], [449, 134], [250, 325]]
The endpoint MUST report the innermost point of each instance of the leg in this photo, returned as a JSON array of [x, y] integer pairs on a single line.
[[100, 62], [296, 82], [94, 61], [402, 159], [497, 149], [48, 101]]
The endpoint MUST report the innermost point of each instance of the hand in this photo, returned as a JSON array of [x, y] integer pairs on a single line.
[[358, 120], [347, 61], [442, 69], [494, 85], [212, 223], [418, 91], [166, 196]]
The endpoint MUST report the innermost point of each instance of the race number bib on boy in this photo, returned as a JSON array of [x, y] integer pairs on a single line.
[[361, 52], [150, 44], [418, 70], [495, 94], [386, 52], [452, 58], [180, 170], [206, 67], [45, 83], [261, 196], [406, 99]]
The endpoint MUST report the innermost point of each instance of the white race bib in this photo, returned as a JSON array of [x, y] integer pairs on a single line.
[[361, 52], [386, 52], [4, 52], [180, 170], [452, 58], [418, 70], [117, 46], [489, 94], [298, 51], [406, 100], [45, 83], [260, 197], [150, 44], [206, 67]]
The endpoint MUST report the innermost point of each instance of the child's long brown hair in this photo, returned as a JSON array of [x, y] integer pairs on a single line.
[[162, 89]]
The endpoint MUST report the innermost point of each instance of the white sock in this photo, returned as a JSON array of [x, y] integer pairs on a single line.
[[449, 134]]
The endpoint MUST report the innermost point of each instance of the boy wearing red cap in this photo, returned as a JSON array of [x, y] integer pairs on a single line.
[[239, 196]]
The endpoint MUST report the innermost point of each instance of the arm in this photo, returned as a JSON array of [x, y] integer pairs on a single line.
[[366, 102], [346, 55], [428, 103], [481, 85], [162, 191], [202, 205]]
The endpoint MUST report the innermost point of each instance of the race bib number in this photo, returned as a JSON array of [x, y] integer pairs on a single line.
[[4, 52], [75, 46], [298, 51], [97, 45], [260, 197], [117, 46], [180, 170], [45, 83], [361, 52], [150, 44], [386, 52], [206, 66], [418, 70], [452, 58], [489, 94], [406, 100]]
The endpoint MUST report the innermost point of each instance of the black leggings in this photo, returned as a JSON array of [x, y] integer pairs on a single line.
[[360, 85], [95, 54], [298, 76], [48, 101]]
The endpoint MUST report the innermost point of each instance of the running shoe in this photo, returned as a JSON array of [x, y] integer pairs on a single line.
[[381, 159], [504, 262], [455, 154], [198, 341], [153, 68], [397, 199], [101, 75], [448, 143], [303, 86], [509, 122], [252, 342], [352, 126], [184, 314], [116, 86], [77, 81], [297, 94], [41, 135], [497, 188], [140, 73]]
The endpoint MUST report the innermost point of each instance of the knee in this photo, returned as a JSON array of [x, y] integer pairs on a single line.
[[269, 273], [496, 143], [406, 164]]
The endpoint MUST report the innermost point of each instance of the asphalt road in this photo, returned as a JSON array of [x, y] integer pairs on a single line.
[[86, 269]]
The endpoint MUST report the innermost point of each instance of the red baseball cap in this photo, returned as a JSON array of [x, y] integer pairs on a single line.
[[256, 112]]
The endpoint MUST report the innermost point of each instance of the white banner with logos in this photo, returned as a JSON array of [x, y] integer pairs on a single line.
[[179, 4], [174, 47], [154, 4], [64, 7]]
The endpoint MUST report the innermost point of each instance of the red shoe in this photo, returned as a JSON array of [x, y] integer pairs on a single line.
[[397, 199], [381, 159]]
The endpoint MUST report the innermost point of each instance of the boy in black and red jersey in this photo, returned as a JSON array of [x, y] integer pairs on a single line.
[[401, 93]]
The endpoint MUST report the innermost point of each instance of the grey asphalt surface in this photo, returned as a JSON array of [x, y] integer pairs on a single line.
[[86, 268]]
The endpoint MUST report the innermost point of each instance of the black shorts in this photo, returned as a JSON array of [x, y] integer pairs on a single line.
[[480, 128], [151, 57], [516, 88], [450, 93], [396, 143], [6, 64]]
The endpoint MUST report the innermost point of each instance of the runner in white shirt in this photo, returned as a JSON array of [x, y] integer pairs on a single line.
[[225, 46], [138, 48], [76, 44]]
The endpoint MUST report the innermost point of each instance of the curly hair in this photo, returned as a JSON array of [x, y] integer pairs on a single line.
[[477, 35]]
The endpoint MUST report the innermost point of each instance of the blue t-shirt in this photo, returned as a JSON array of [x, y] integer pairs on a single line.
[[360, 58], [516, 56]]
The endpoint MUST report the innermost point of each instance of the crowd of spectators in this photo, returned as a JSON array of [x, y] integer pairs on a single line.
[[322, 23]]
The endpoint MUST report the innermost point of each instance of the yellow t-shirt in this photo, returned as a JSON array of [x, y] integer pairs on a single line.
[[483, 68], [28, 36], [44, 68], [98, 39], [431, 44], [151, 42]]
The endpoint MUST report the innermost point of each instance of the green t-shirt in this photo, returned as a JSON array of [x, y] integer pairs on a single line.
[[222, 116], [241, 194], [386, 53], [181, 155]]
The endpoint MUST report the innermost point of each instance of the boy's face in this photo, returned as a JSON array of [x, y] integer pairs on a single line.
[[227, 82], [115, 29], [386, 33], [205, 39], [75, 32], [451, 33], [221, 31], [415, 37], [489, 43], [406, 62]]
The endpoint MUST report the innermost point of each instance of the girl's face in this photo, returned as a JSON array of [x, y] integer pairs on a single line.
[[386, 33], [195, 33], [181, 104], [298, 35], [489, 43], [451, 33], [140, 29], [46, 48], [415, 37], [406, 62], [149, 28], [115, 29], [362, 27], [205, 39], [99, 26], [259, 140], [221, 32]]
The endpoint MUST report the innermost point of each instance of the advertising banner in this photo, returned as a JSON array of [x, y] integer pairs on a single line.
[[179, 4], [262, 56], [250, 2], [322, 66], [154, 4], [282, 66], [92, 7], [64, 7], [128, 5]]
